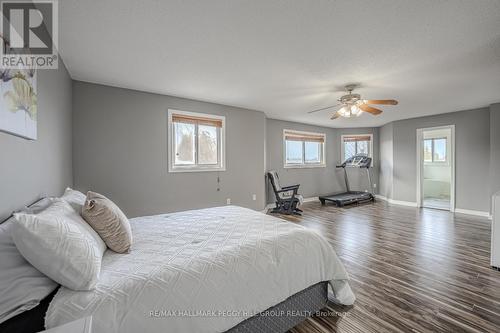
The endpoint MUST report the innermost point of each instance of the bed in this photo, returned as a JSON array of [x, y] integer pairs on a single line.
[[209, 270]]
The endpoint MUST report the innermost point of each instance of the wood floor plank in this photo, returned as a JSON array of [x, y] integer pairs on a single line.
[[412, 270]]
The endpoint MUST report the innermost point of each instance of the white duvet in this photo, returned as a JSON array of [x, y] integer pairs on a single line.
[[202, 271]]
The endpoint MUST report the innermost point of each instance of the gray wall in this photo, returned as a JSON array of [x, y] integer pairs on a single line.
[[316, 181], [313, 181], [494, 148], [32, 169], [472, 132], [386, 143], [120, 150]]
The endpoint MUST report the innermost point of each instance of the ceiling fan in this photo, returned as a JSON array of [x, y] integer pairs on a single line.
[[354, 106]]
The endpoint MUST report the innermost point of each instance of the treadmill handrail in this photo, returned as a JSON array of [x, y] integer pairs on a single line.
[[362, 161], [352, 166]]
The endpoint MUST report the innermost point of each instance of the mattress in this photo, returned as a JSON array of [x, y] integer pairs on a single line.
[[202, 271]]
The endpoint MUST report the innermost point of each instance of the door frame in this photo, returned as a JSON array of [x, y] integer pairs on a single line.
[[420, 164]]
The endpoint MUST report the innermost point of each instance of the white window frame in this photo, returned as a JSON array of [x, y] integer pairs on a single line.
[[342, 145], [221, 158], [303, 165], [446, 162]]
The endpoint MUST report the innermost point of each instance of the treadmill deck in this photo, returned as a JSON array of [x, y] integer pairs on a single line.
[[341, 199]]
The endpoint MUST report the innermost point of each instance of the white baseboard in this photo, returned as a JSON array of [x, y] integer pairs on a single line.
[[396, 202], [269, 206], [381, 197], [473, 212], [414, 204]]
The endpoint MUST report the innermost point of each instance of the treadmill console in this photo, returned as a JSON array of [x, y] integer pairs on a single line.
[[357, 161]]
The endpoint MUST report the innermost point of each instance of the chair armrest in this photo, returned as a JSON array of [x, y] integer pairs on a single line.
[[291, 187]]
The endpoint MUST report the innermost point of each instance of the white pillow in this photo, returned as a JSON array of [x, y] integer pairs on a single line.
[[75, 198], [59, 243], [22, 286]]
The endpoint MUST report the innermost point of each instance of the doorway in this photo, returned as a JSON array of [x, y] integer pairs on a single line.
[[436, 167]]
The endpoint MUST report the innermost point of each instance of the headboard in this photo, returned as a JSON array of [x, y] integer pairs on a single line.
[[29, 205]]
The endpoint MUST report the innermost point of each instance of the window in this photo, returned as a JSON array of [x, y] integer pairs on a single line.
[[196, 141], [357, 144], [435, 150], [304, 149]]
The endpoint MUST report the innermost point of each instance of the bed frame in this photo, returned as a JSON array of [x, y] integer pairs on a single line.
[[304, 303], [6, 218]]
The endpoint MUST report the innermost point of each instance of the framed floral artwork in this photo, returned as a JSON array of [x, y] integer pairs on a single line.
[[18, 102]]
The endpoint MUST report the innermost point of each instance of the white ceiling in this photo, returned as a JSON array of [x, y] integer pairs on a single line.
[[285, 57]]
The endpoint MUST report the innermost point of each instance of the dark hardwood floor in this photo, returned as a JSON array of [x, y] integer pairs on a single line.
[[412, 270]]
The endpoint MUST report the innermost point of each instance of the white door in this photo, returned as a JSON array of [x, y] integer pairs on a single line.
[[436, 167]]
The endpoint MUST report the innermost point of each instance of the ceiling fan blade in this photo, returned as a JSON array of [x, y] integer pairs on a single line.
[[328, 107], [335, 115], [381, 101], [370, 109]]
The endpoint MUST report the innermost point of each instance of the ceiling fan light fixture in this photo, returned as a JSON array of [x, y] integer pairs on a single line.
[[355, 111], [354, 106], [345, 112]]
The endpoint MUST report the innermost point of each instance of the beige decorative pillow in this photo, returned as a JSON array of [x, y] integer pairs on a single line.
[[108, 221]]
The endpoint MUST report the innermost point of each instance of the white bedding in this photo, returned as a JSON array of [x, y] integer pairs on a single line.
[[186, 270]]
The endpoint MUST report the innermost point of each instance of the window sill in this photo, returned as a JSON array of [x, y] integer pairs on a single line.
[[179, 170], [304, 166]]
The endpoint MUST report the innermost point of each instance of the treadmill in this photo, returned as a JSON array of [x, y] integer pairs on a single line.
[[349, 197]]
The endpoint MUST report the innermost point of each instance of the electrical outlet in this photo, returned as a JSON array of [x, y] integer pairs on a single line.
[[374, 185], [254, 197], [228, 201]]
